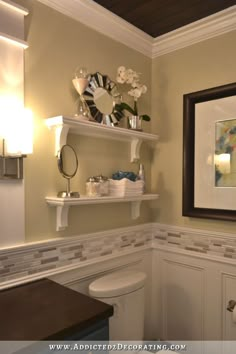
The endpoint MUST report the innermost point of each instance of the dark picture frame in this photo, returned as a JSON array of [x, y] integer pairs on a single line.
[[188, 198]]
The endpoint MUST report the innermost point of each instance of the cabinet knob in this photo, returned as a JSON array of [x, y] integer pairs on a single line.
[[231, 305]]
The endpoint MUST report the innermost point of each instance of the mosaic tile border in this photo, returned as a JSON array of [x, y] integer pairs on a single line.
[[201, 242], [27, 260], [31, 261]]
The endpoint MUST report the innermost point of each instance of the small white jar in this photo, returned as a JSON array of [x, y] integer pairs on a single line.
[[93, 187]]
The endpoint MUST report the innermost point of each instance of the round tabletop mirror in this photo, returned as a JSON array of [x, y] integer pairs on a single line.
[[67, 163], [101, 96]]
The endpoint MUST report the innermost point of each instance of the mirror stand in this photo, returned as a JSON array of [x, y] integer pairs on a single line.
[[68, 192], [67, 163]]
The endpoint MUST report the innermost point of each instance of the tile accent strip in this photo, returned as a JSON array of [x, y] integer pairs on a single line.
[[212, 244], [26, 260], [34, 260]]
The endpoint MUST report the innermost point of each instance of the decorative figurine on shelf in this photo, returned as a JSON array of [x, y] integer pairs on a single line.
[[128, 76], [80, 82]]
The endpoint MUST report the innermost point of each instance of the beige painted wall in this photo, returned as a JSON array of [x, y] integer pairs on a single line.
[[200, 66], [57, 45]]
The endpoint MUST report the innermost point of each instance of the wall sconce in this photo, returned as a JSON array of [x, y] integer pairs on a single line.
[[16, 132]]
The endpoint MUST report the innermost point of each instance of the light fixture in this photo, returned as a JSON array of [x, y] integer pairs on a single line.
[[16, 132]]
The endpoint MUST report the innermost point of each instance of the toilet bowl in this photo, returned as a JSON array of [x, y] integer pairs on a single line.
[[125, 291]]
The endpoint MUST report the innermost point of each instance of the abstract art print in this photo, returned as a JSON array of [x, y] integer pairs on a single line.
[[225, 153], [209, 153]]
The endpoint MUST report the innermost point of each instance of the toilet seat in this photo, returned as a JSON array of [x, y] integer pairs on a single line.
[[124, 290], [117, 284]]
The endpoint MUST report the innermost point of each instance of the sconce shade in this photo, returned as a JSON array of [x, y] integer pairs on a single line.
[[16, 133], [16, 127]]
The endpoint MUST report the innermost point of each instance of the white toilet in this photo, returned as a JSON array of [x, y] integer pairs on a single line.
[[125, 291]]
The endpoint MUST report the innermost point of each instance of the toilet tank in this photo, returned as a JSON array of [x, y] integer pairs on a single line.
[[125, 291]]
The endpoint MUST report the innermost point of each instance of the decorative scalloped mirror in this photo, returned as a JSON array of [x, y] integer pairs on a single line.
[[101, 96]]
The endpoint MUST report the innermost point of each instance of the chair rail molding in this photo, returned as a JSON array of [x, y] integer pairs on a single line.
[[102, 20]]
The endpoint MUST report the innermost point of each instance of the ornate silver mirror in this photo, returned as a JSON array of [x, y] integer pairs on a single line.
[[101, 96], [67, 163]]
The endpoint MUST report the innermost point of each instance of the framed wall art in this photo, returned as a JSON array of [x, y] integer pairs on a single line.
[[209, 153]]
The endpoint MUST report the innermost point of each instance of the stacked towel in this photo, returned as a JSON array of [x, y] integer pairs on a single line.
[[125, 188]]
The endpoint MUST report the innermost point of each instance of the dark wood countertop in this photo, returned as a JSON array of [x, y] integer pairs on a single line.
[[44, 310]]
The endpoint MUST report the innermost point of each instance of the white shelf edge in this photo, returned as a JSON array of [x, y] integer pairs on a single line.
[[15, 7], [14, 40], [65, 124], [63, 205]]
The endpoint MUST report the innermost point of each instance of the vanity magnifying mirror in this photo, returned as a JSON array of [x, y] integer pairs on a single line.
[[101, 96], [67, 163]]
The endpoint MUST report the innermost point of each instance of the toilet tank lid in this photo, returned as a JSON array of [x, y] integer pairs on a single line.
[[117, 284]]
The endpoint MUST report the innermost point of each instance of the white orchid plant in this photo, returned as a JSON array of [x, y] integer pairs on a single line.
[[128, 76]]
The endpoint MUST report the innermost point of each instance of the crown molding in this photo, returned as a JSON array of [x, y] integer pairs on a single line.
[[98, 18], [101, 20], [198, 31]]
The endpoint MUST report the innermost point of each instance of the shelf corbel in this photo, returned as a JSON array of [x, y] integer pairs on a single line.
[[135, 209], [62, 217], [61, 132], [135, 149]]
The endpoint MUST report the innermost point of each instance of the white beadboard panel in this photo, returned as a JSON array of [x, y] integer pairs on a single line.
[[80, 279], [187, 287], [12, 216], [228, 286], [156, 304], [186, 296], [182, 301]]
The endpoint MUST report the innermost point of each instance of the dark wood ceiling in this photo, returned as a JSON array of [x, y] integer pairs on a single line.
[[157, 17]]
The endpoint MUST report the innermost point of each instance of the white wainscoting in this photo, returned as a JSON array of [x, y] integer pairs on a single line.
[[191, 274], [190, 297], [79, 279]]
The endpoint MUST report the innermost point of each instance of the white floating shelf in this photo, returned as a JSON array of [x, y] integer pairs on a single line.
[[63, 205], [63, 125]]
